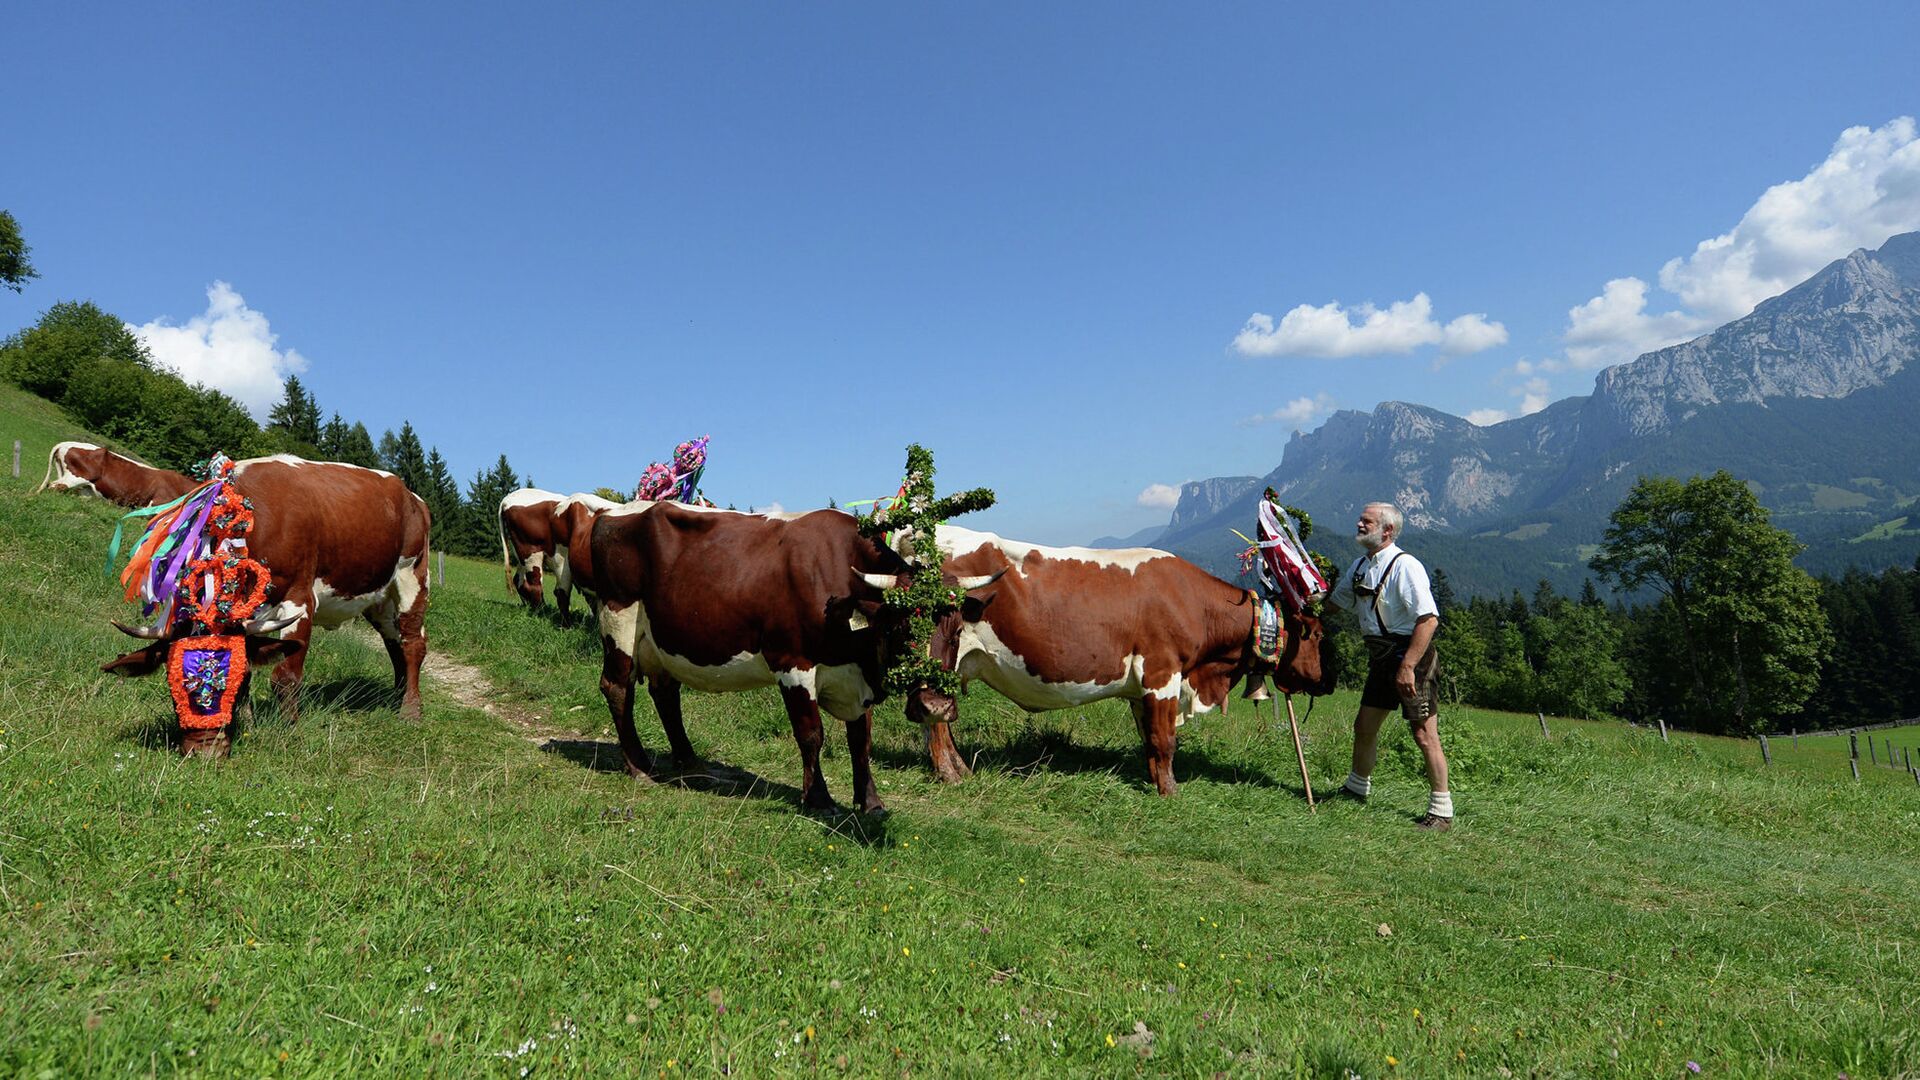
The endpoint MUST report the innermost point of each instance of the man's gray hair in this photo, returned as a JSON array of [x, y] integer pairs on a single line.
[[1389, 515]]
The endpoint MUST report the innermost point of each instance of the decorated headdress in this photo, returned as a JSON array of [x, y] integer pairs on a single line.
[[192, 573], [677, 480]]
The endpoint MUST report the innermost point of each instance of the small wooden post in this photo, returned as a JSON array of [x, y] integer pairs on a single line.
[[440, 573], [16, 459], [1544, 733], [1853, 746], [1854, 763], [1766, 755], [1663, 728], [1872, 758], [1796, 738]]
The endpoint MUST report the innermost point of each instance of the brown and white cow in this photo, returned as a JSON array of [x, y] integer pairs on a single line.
[[91, 470], [340, 541], [526, 541], [572, 561], [1068, 626], [536, 529], [720, 601]]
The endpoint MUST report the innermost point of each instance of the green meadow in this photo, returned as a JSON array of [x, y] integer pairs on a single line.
[[485, 893]]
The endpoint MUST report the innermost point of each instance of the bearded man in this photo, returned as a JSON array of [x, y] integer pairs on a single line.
[[1389, 594]]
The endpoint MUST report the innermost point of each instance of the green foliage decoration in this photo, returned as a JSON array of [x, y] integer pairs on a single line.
[[919, 512]]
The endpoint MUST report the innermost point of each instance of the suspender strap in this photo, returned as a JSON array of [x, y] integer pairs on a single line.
[[1379, 624]]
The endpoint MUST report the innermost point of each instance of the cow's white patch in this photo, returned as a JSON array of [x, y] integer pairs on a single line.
[[626, 509], [953, 540], [528, 497], [296, 462], [61, 477], [584, 498], [621, 628], [983, 656]]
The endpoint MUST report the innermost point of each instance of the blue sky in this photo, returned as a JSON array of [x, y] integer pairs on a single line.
[[1081, 252]]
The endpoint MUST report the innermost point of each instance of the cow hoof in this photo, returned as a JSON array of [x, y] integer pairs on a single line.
[[829, 809], [640, 776], [876, 810], [951, 772]]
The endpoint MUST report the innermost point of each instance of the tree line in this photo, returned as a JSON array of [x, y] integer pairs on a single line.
[[90, 364], [1711, 627]]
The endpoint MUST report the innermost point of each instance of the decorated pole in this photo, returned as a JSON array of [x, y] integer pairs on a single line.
[[917, 513]]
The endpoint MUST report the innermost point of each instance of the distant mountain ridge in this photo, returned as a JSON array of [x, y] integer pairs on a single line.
[[1795, 397]]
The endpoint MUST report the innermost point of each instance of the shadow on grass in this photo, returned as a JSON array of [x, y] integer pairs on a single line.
[[1036, 750], [719, 778]]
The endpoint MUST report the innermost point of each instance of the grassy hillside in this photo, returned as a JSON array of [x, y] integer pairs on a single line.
[[482, 893]]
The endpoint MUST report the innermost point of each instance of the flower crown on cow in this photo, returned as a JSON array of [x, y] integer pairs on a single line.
[[926, 593], [678, 480], [191, 570]]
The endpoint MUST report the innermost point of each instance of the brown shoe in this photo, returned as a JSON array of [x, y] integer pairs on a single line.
[[1434, 822]]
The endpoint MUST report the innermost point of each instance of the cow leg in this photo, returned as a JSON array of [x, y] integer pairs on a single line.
[[212, 743], [401, 619], [287, 675], [563, 600], [616, 684], [866, 796], [1155, 716], [665, 692], [803, 709]]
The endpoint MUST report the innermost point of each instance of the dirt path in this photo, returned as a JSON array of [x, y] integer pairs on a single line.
[[470, 686]]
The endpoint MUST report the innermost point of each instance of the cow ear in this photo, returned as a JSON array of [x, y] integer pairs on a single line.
[[265, 650], [973, 607], [139, 662]]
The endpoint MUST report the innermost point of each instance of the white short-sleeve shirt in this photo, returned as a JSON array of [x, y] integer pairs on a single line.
[[1405, 596]]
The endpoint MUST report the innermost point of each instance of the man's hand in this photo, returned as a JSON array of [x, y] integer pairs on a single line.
[[1406, 683]]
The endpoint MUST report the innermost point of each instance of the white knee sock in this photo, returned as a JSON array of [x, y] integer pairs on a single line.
[[1359, 785], [1440, 804]]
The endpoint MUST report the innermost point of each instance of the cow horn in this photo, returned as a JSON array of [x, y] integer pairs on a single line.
[[259, 625], [144, 633], [977, 581], [878, 581]]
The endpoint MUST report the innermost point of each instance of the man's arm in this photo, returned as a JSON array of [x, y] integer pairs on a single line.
[[1423, 629]]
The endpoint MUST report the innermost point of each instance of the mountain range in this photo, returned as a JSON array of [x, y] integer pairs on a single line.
[[1810, 399]]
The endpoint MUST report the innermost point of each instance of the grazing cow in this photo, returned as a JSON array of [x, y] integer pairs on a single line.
[[720, 601], [572, 561], [526, 541], [1066, 626], [340, 541], [91, 470]]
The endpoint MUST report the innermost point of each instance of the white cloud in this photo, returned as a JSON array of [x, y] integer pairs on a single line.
[[1866, 190], [1487, 417], [1615, 327], [1299, 412], [230, 348], [1533, 395], [1159, 497], [1333, 331]]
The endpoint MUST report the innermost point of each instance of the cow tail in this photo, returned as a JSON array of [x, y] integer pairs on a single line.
[[506, 549]]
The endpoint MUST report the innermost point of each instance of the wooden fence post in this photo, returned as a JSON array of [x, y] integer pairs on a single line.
[[1853, 753], [440, 574], [1663, 728], [1872, 758], [1796, 738], [1544, 733], [1854, 762], [16, 459], [1766, 755]]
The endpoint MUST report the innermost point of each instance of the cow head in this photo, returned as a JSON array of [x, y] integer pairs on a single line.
[[1307, 665], [528, 583], [207, 674]]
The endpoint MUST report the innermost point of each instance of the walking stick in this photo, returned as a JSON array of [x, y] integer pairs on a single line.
[[1300, 752]]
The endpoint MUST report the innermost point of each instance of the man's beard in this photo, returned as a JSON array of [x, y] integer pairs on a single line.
[[1372, 542]]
